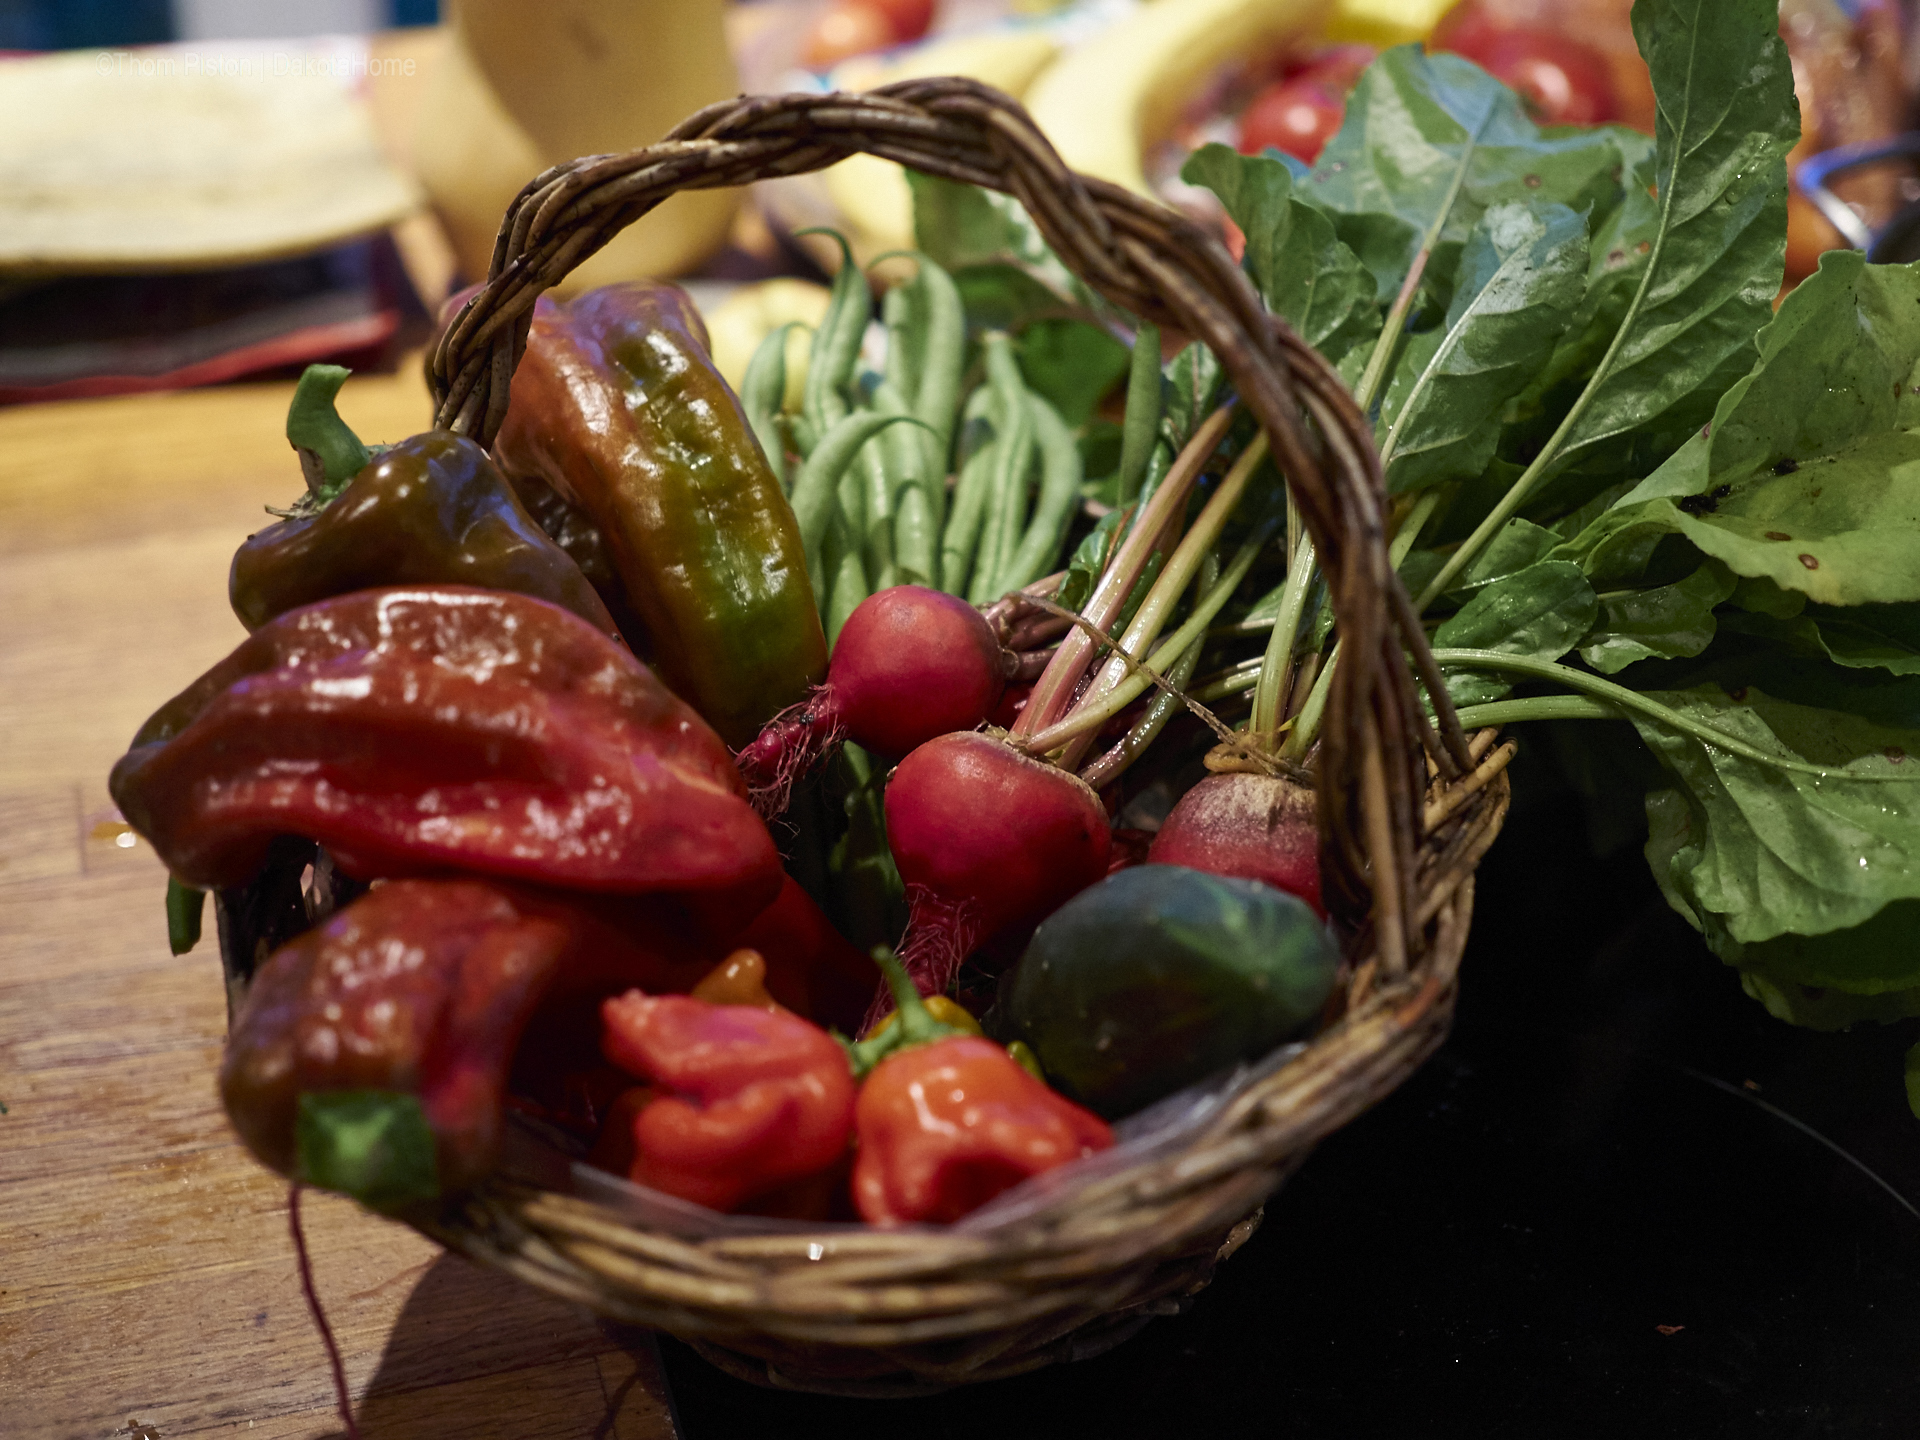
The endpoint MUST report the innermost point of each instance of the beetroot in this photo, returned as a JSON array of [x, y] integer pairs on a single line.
[[910, 664], [1258, 827], [986, 839]]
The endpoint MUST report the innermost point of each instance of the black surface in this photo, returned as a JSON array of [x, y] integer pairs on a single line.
[[1492, 1252]]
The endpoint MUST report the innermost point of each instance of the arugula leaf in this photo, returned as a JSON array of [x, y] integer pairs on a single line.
[[959, 225], [1519, 279], [1714, 256], [1410, 121], [1715, 251], [1541, 611], [1071, 364], [1828, 1008], [1301, 268], [1674, 622], [1753, 851], [1810, 474], [1519, 544], [1863, 637]]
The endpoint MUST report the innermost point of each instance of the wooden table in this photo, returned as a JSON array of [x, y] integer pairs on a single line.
[[147, 1280]]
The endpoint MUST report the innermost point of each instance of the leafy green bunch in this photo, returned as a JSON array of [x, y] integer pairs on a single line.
[[1630, 494]]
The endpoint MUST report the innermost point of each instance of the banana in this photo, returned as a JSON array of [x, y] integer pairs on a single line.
[[1104, 102], [1386, 22]]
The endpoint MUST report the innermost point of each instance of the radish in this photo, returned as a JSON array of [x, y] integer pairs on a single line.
[[1258, 827], [986, 839], [909, 664]]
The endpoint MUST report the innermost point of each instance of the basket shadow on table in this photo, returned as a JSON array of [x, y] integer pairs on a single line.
[[476, 1354]]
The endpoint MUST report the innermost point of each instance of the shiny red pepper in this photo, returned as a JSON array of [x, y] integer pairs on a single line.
[[946, 1121], [417, 730], [618, 407], [419, 988], [752, 1100]]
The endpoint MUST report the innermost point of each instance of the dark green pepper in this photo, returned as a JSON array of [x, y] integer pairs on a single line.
[[618, 407], [433, 509], [1159, 976]]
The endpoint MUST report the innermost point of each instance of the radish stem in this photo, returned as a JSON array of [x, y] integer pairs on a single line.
[[1089, 718], [1110, 766], [1605, 690], [1537, 707], [1180, 571], [1055, 688]]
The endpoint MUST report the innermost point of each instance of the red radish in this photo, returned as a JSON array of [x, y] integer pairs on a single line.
[[1258, 827], [986, 839], [911, 663]]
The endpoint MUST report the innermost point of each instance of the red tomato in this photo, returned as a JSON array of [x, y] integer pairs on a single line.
[[1336, 67], [845, 29], [910, 18], [1297, 116], [1562, 81]]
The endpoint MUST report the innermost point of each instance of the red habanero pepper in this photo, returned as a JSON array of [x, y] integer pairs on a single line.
[[429, 728], [752, 1100], [419, 988], [945, 1121]]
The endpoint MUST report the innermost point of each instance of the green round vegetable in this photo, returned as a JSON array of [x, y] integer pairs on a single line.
[[1160, 975]]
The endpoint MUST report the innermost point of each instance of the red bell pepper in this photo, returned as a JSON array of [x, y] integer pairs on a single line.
[[419, 988], [421, 729], [752, 1099], [946, 1121]]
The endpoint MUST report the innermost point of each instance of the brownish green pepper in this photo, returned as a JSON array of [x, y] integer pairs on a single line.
[[433, 509], [617, 405]]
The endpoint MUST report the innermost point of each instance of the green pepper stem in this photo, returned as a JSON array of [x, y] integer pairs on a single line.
[[913, 1024], [315, 429]]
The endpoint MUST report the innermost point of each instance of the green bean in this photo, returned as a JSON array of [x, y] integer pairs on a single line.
[[763, 395], [817, 489], [902, 312], [877, 518], [1060, 476], [836, 344], [1007, 499], [850, 585], [1142, 427], [938, 398], [962, 531], [926, 355], [916, 529], [913, 539]]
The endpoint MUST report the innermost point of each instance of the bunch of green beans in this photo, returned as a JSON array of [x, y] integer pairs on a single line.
[[867, 455]]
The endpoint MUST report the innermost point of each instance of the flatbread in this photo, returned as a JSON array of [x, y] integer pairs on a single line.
[[186, 156]]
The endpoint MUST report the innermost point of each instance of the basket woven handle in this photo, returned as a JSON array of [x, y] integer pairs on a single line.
[[1139, 255]]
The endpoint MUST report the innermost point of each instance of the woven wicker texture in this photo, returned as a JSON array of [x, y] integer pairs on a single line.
[[1406, 808]]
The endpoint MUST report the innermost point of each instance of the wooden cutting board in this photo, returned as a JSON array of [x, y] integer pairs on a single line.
[[147, 1280]]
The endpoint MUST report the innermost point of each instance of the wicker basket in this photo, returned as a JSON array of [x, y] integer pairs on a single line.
[[1406, 809]]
